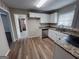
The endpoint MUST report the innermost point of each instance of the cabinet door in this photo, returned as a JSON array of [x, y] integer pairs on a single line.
[[44, 18], [31, 14], [53, 18], [52, 34], [60, 53]]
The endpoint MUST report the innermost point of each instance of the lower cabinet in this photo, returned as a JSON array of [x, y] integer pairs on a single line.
[[60, 53]]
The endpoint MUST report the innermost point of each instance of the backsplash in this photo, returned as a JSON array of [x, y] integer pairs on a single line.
[[68, 30], [50, 25]]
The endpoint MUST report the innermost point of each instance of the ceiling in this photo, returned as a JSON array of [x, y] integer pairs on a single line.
[[30, 4]]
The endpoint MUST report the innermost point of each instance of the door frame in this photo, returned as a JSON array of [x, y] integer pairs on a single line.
[[11, 27]]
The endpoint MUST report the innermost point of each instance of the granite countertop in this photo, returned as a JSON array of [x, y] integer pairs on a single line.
[[64, 44], [67, 32], [68, 47]]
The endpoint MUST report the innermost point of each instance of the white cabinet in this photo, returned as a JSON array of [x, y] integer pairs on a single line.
[[60, 53], [54, 17], [55, 35], [31, 14], [44, 18]]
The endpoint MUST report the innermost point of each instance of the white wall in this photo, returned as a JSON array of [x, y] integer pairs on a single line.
[[33, 28], [23, 34], [12, 12], [4, 48]]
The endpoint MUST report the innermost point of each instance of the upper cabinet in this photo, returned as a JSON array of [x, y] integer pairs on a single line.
[[53, 17], [44, 18], [31, 14]]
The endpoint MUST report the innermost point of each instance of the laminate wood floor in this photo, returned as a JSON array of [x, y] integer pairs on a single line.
[[32, 48]]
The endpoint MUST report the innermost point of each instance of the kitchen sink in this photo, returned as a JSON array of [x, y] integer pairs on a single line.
[[73, 40]]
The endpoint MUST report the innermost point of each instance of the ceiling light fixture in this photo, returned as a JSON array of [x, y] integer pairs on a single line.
[[41, 3]]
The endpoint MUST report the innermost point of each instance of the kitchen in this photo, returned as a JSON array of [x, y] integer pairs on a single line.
[[57, 29], [42, 34]]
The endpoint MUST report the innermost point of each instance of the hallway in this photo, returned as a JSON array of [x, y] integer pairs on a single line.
[[33, 48]]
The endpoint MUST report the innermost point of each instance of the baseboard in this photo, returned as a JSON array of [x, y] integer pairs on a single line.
[[35, 37], [7, 52]]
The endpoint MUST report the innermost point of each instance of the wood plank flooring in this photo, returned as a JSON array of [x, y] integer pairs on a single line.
[[32, 48]]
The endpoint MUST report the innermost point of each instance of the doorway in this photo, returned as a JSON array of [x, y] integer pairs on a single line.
[[7, 26]]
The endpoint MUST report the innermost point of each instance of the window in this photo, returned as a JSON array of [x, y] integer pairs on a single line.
[[66, 18]]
